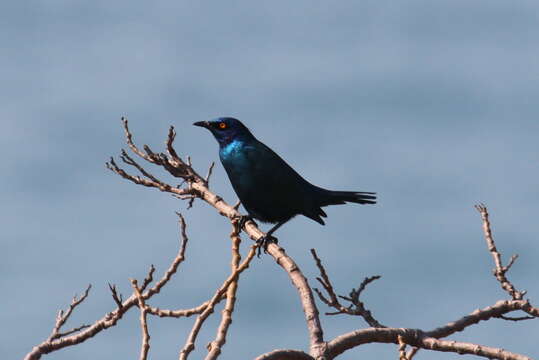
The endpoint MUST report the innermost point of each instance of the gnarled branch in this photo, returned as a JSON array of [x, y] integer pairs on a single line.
[[417, 338], [499, 270]]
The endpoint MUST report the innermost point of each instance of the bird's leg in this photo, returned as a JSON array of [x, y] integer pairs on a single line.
[[242, 219], [265, 240]]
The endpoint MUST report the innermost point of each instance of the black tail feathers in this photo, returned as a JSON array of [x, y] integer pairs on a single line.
[[327, 197], [342, 197]]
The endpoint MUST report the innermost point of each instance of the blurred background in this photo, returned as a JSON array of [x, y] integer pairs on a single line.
[[431, 104]]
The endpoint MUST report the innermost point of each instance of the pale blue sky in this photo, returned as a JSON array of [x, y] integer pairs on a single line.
[[431, 104]]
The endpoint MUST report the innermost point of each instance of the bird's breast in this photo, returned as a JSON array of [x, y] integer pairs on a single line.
[[240, 167], [231, 152], [234, 158]]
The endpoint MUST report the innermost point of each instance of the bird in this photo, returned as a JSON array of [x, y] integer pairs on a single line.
[[269, 189]]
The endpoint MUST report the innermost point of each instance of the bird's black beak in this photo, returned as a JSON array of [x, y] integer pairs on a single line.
[[203, 124]]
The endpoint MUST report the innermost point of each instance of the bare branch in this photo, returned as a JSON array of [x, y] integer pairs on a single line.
[[356, 307], [151, 181], [148, 279], [190, 343], [111, 165], [130, 161], [500, 270], [403, 355], [170, 146], [411, 353], [145, 345], [512, 260], [191, 202], [118, 299], [172, 163], [495, 311], [180, 257], [418, 339], [149, 156], [316, 335], [63, 316], [326, 283], [364, 284], [214, 348], [72, 331], [178, 313], [429, 339], [210, 171]]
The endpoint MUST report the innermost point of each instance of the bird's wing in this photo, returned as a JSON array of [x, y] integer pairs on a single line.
[[274, 171], [277, 190]]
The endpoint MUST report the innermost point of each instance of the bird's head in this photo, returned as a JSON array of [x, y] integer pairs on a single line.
[[226, 129]]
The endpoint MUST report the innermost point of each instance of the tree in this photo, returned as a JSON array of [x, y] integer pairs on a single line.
[[193, 187]]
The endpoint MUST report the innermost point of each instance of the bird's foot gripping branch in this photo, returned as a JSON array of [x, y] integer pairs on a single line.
[[264, 242], [407, 341]]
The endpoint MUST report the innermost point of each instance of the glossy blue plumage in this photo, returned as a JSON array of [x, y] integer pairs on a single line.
[[231, 150], [268, 188]]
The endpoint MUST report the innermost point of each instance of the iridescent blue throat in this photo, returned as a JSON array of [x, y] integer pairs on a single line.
[[230, 148]]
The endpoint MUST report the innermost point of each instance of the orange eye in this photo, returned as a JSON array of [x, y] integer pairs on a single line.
[[222, 125]]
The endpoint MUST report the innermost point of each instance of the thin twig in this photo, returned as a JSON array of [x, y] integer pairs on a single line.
[[214, 348], [210, 171], [170, 148], [500, 308], [148, 279], [356, 307], [149, 156], [145, 344], [411, 353], [63, 316], [180, 257], [149, 182], [500, 270], [118, 299], [403, 355], [72, 331], [178, 313], [130, 161]]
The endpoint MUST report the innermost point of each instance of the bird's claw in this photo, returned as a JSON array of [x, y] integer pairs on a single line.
[[242, 220], [263, 243]]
